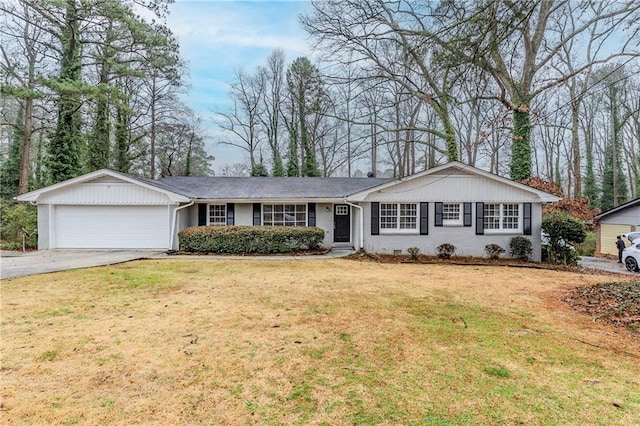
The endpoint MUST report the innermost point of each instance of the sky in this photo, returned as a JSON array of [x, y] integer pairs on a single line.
[[217, 37]]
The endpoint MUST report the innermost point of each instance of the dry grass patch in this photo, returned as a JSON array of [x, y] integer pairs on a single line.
[[310, 342]]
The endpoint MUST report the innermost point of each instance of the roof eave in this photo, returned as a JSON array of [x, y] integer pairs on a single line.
[[543, 197], [631, 203], [33, 196], [271, 199]]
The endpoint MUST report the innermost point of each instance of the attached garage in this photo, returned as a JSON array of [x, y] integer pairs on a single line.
[[111, 227], [105, 210]]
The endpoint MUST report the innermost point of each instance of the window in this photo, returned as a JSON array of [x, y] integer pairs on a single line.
[[502, 217], [451, 214], [342, 210], [398, 217], [217, 214], [284, 215]]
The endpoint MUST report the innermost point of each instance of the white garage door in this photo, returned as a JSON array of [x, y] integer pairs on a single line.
[[110, 227]]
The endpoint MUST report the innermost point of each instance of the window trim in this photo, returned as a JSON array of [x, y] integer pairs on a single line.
[[501, 217], [397, 229], [306, 214], [453, 222], [224, 216]]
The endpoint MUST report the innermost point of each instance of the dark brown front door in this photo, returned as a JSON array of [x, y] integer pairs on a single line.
[[341, 223]]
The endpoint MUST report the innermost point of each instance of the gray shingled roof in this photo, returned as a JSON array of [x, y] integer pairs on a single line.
[[261, 188]]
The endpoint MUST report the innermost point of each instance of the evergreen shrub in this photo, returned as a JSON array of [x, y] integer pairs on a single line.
[[520, 248], [249, 239]]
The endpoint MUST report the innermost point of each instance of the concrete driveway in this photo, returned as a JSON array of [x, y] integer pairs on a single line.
[[16, 264], [604, 264]]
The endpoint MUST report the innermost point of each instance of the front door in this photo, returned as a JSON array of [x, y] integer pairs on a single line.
[[341, 223]]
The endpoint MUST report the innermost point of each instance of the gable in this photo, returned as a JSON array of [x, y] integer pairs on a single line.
[[454, 182], [103, 187], [452, 188], [629, 216], [105, 193]]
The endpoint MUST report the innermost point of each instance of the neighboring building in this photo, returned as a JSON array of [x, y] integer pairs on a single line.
[[616, 221], [453, 203]]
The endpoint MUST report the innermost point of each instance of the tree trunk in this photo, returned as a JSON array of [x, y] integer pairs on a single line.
[[575, 149], [23, 185], [521, 145]]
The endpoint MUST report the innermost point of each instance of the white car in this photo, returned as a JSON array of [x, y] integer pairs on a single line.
[[631, 256], [632, 236]]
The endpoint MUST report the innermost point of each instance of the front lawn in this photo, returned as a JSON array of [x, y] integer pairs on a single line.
[[190, 341]]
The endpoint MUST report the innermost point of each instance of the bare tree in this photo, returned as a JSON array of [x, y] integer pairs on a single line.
[[242, 122]]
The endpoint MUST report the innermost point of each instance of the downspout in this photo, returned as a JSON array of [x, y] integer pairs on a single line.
[[173, 222], [361, 221]]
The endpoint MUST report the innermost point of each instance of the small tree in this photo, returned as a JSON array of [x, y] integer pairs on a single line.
[[563, 231]]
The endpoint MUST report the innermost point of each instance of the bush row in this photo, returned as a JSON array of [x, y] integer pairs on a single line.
[[519, 248], [249, 239]]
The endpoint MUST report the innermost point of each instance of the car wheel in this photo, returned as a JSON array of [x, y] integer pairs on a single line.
[[631, 264]]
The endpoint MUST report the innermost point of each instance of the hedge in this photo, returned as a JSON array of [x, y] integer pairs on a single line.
[[249, 239]]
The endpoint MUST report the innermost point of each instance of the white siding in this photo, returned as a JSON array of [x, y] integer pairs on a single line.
[[105, 194], [44, 221], [452, 188], [324, 220]]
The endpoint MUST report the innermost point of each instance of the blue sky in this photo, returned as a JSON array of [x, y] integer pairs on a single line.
[[217, 37]]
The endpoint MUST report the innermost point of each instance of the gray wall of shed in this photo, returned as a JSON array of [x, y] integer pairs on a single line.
[[628, 216]]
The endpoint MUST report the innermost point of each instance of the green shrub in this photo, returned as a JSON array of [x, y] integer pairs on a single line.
[[563, 232], [493, 251], [445, 251], [414, 252], [588, 246], [249, 239], [17, 220], [520, 248], [565, 255]]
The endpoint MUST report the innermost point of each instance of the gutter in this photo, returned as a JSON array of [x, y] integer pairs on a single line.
[[361, 221], [173, 222]]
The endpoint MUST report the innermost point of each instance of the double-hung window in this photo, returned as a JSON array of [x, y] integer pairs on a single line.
[[451, 214], [398, 217], [502, 217], [284, 215], [217, 214]]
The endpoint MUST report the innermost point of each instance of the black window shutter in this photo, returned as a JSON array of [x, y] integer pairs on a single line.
[[479, 218], [438, 216], [527, 219], [231, 214], [202, 214], [375, 218], [467, 214], [311, 214], [257, 213], [424, 218]]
